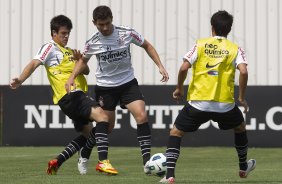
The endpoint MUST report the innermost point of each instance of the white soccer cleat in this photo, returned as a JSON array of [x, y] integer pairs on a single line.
[[82, 165], [170, 180], [251, 166]]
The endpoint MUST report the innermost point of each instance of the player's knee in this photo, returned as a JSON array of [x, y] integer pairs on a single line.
[[176, 132], [111, 127], [240, 128], [141, 118], [98, 115], [86, 130]]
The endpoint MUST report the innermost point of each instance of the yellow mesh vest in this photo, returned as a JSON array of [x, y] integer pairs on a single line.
[[214, 71], [58, 75]]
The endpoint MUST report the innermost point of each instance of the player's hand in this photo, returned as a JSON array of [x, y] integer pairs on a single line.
[[244, 103], [178, 94], [70, 85], [164, 73], [15, 83], [76, 54]]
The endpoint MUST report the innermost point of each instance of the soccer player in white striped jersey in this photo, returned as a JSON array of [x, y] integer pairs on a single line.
[[116, 82]]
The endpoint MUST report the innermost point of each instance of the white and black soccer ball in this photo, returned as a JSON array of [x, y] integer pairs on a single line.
[[157, 164]]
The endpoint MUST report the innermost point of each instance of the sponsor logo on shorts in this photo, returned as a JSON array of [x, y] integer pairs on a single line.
[[90, 98], [101, 101]]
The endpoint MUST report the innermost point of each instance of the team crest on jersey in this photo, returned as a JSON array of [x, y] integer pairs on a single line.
[[121, 40]]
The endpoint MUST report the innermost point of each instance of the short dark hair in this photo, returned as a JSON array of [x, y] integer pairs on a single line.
[[60, 21], [102, 13], [221, 22]]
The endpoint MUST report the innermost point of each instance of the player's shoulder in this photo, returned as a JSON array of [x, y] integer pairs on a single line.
[[205, 39], [46, 47], [49, 44], [201, 42], [233, 45], [123, 28], [45, 50], [128, 32], [95, 37]]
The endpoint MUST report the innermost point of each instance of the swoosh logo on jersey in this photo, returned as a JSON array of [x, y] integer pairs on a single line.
[[211, 66]]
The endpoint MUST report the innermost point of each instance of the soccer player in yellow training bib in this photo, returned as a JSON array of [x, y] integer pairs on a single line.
[[59, 62], [210, 94]]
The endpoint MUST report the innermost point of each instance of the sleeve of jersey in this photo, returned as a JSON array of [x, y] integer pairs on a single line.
[[136, 38], [191, 55], [44, 52], [241, 57], [87, 53]]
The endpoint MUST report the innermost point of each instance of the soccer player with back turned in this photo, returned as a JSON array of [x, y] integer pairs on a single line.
[[210, 94]]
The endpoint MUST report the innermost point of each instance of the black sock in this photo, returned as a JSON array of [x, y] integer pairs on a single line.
[[101, 137], [144, 139], [71, 149], [241, 145], [172, 154], [90, 143]]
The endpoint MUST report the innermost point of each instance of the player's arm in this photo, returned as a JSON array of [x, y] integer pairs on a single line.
[[86, 71], [182, 74], [151, 51], [28, 70], [76, 56], [243, 80], [79, 68]]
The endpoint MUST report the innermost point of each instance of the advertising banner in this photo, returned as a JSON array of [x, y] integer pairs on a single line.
[[29, 118]]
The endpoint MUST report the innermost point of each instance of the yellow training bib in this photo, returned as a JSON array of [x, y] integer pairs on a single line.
[[59, 74], [214, 71]]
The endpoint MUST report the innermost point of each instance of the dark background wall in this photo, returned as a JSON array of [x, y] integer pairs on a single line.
[[29, 118]]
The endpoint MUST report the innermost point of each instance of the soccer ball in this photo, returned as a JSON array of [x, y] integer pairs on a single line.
[[157, 164]]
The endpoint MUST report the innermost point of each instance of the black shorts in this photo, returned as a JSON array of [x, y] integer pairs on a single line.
[[110, 97], [190, 118], [77, 106]]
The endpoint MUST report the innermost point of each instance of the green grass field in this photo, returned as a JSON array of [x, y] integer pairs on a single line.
[[27, 165]]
